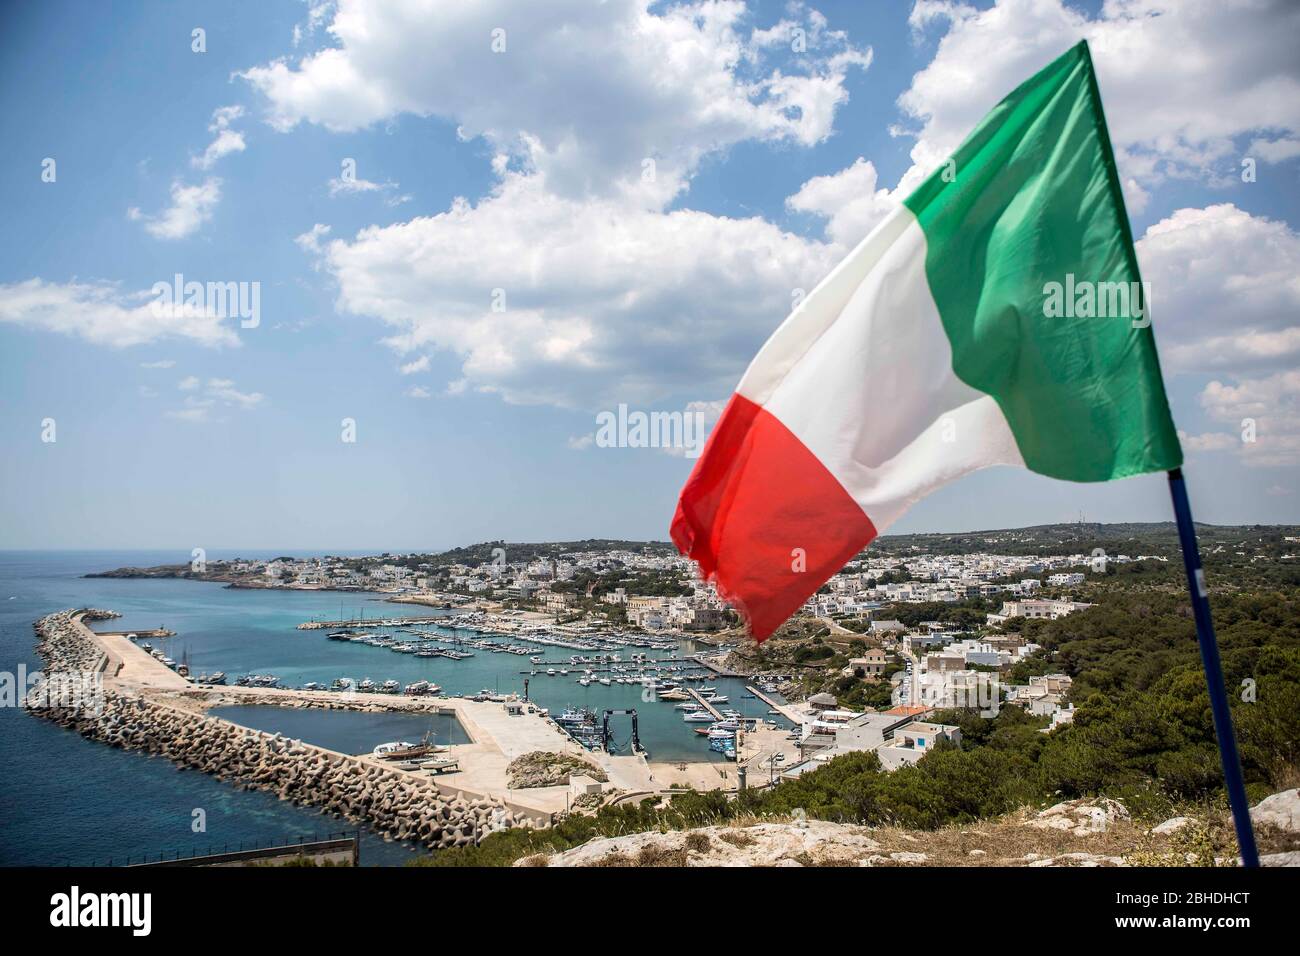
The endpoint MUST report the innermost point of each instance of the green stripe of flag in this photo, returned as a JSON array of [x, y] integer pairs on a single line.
[[1030, 203]]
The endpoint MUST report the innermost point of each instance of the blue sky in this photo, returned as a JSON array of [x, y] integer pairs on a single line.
[[523, 170]]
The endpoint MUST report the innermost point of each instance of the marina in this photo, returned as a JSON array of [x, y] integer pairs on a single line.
[[247, 646]]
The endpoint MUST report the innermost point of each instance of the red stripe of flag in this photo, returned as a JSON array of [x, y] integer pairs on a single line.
[[755, 497]]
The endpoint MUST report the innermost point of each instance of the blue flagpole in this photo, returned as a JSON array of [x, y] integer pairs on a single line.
[[1228, 755]]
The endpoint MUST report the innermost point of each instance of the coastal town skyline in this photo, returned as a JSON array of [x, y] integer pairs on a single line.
[[421, 282]]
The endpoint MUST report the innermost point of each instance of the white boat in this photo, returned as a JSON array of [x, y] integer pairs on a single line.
[[584, 681], [605, 681], [384, 750], [698, 717]]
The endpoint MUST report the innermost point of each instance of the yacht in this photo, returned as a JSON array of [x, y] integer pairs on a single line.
[[217, 678], [698, 716]]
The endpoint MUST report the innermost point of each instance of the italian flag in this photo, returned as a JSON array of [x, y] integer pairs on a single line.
[[944, 343]]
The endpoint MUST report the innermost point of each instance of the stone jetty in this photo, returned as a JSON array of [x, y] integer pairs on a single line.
[[397, 804]]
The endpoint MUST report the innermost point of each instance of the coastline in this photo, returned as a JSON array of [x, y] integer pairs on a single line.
[[148, 706]]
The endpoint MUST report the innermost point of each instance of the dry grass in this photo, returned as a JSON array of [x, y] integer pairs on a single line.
[[737, 838], [697, 842], [650, 855]]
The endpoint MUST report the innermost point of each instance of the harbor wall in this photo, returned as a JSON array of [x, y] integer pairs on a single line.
[[396, 804]]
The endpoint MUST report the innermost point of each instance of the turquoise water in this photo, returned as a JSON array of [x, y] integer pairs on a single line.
[[67, 800], [345, 731]]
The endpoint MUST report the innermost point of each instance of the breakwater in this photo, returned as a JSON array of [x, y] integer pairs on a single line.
[[395, 803]]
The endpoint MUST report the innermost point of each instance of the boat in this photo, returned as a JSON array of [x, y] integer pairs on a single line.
[[218, 678], [422, 688], [312, 685], [366, 686], [719, 733], [585, 682], [386, 751], [390, 687], [605, 681], [697, 716], [440, 765]]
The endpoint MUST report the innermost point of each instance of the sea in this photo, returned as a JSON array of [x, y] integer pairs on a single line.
[[67, 801]]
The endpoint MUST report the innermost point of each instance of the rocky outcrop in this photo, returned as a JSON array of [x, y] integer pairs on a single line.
[[397, 804], [811, 843], [1281, 810], [1081, 817], [542, 769]]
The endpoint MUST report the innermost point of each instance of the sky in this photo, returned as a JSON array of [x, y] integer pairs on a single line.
[[473, 227]]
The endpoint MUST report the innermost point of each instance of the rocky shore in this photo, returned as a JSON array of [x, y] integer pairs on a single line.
[[397, 804]]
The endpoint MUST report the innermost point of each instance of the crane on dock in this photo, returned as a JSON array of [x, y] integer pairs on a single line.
[[604, 730]]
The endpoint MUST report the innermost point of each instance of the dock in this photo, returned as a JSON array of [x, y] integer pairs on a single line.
[[367, 622], [785, 710], [715, 666], [713, 711], [156, 632]]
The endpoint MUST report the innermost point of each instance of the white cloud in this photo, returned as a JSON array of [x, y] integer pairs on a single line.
[[1208, 442], [418, 391], [586, 322], [191, 207], [674, 85], [209, 397], [1182, 80], [310, 241], [848, 200], [340, 186], [227, 140], [1225, 289], [419, 365], [100, 313], [161, 363], [581, 442], [1275, 150], [1268, 406]]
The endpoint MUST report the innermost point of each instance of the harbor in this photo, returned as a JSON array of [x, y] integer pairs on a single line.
[[621, 702], [273, 677]]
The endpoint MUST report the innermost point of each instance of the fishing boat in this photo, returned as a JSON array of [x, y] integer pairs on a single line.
[[440, 765]]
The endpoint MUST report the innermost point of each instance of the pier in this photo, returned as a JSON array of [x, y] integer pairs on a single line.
[[716, 667], [370, 622], [789, 713], [713, 711]]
